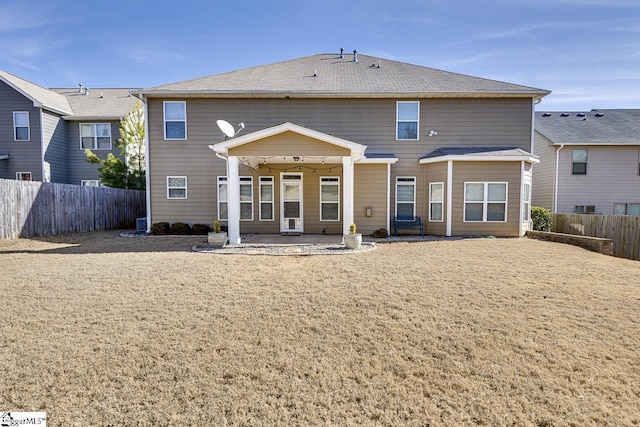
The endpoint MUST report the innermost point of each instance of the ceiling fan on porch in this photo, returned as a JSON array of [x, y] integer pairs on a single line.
[[228, 130]]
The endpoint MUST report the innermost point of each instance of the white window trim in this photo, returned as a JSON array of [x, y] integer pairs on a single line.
[[16, 127], [485, 201], [246, 180], [335, 180], [586, 162], [178, 188], [164, 120], [85, 183], [417, 138], [413, 178], [266, 181], [94, 143], [222, 180], [526, 203], [19, 174], [441, 202]]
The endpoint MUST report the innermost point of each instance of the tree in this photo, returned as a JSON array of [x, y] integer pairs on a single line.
[[128, 171]]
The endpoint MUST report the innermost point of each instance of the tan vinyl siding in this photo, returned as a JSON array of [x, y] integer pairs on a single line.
[[55, 154], [509, 172], [281, 145], [370, 188], [25, 156], [543, 173], [612, 177], [371, 122], [436, 172]]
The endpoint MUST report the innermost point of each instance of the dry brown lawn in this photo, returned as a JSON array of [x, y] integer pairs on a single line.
[[101, 330]]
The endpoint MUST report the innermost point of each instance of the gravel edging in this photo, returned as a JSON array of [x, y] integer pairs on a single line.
[[287, 250]]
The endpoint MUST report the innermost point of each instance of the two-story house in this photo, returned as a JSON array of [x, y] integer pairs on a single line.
[[590, 162], [334, 139], [44, 132]]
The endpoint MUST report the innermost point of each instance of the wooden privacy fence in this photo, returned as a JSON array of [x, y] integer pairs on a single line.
[[623, 230], [29, 209]]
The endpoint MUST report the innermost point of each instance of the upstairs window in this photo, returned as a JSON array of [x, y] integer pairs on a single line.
[[21, 126], [95, 136], [407, 120], [175, 120], [579, 162]]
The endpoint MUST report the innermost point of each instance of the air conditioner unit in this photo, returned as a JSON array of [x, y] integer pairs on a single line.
[[141, 224]]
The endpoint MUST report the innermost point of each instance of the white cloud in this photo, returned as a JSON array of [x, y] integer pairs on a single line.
[[22, 16], [23, 64], [146, 55]]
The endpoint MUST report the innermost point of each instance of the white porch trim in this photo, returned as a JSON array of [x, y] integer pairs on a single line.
[[347, 193], [233, 201]]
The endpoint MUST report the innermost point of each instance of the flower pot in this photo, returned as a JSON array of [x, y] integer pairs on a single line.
[[217, 240], [352, 241]]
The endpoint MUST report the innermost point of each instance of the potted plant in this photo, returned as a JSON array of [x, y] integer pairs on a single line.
[[217, 238], [352, 240]]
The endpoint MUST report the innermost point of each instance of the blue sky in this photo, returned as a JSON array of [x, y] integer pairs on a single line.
[[586, 51]]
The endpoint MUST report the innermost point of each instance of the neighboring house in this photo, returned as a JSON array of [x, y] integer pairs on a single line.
[[333, 139], [44, 132], [589, 162]]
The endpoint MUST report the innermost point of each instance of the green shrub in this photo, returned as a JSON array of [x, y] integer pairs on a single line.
[[380, 233], [180, 228], [160, 228], [201, 228], [541, 218]]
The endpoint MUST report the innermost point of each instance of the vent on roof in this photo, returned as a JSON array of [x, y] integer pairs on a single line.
[[355, 55], [546, 115], [599, 114], [341, 53], [564, 115], [79, 87], [580, 115]]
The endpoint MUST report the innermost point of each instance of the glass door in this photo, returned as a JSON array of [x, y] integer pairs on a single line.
[[291, 203]]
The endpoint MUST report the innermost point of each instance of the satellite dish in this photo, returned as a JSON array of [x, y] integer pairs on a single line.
[[226, 128]]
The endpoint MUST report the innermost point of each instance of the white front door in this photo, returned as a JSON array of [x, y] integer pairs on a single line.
[[291, 203]]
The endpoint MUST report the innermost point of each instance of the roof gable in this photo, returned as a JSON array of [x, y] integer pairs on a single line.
[[328, 75], [225, 146], [40, 96], [596, 127]]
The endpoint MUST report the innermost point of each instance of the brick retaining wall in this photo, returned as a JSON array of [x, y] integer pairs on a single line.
[[596, 244]]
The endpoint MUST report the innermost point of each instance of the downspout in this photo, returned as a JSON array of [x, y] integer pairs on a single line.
[[555, 184], [147, 153], [389, 197]]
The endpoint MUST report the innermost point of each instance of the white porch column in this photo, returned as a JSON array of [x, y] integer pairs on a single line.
[[233, 199], [347, 193]]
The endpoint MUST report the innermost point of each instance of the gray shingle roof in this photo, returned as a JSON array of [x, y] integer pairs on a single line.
[[335, 77], [99, 104], [113, 104], [48, 99], [613, 127], [477, 151]]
